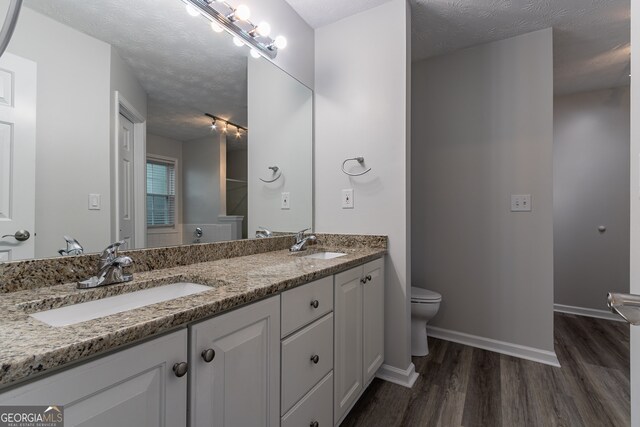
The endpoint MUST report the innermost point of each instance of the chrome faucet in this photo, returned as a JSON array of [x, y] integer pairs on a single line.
[[110, 269], [73, 247], [263, 232], [301, 240]]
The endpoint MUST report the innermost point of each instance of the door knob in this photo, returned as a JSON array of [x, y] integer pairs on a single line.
[[20, 235], [208, 354], [625, 305], [180, 369]]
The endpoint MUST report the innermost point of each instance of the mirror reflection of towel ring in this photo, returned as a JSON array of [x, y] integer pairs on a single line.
[[275, 170], [357, 159]]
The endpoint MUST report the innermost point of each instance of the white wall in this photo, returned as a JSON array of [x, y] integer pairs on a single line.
[[591, 188], [297, 58], [201, 180], [362, 78], [280, 116], [72, 131], [168, 148], [635, 211], [483, 130]]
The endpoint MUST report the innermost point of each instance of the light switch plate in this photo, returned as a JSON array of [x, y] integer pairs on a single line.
[[286, 201], [521, 203], [347, 198], [94, 202]]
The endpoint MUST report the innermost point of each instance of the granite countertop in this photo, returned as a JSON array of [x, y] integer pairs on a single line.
[[29, 347]]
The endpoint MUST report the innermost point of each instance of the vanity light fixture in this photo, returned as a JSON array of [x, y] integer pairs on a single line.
[[213, 125], [236, 22], [227, 123]]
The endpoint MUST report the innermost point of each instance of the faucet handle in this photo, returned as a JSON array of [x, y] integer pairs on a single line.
[[111, 252], [300, 234]]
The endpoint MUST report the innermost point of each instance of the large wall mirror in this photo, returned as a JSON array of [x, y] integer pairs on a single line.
[[108, 131]]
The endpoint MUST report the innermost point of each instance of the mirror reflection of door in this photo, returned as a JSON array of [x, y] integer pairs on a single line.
[[126, 175], [17, 155]]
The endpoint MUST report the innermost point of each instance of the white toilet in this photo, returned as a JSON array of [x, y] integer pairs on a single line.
[[424, 305]]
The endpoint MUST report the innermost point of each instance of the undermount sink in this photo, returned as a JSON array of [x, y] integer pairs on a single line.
[[77, 313], [324, 255]]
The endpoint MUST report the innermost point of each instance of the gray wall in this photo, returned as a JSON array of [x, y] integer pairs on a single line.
[[361, 109], [483, 130], [201, 180], [591, 188]]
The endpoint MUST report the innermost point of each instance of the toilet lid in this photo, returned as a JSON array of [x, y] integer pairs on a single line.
[[420, 294]]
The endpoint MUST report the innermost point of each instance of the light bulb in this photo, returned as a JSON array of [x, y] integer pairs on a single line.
[[242, 12], [238, 133], [225, 128], [238, 42], [213, 125], [264, 29], [191, 10], [216, 27], [280, 42], [255, 54]]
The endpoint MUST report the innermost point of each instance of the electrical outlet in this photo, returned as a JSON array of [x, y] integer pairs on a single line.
[[347, 198], [521, 203], [94, 202], [286, 201]]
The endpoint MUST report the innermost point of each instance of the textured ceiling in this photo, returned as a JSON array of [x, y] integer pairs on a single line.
[[185, 68], [591, 37]]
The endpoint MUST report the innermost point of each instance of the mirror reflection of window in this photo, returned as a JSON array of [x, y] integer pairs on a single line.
[[161, 193]]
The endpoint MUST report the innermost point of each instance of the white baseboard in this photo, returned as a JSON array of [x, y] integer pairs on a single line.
[[404, 377], [589, 312], [510, 349]]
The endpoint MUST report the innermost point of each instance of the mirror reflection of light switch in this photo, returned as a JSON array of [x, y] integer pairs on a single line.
[[94, 202], [286, 201]]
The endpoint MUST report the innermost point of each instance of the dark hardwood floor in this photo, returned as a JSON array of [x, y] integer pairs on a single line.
[[465, 386]]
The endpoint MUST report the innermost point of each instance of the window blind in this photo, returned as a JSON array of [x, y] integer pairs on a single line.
[[161, 193]]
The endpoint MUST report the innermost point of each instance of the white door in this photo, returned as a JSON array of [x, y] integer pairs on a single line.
[[17, 155], [133, 387], [348, 340], [373, 318], [126, 182], [239, 383]]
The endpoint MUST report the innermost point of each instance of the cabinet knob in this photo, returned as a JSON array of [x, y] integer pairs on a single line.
[[315, 303], [315, 359], [363, 280], [368, 277], [314, 424], [208, 354], [180, 369]]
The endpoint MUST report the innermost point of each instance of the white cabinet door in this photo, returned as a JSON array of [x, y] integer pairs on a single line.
[[373, 315], [134, 387], [348, 340], [241, 385]]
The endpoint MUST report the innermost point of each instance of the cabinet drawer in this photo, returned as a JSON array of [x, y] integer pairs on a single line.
[[299, 372], [316, 406], [298, 308]]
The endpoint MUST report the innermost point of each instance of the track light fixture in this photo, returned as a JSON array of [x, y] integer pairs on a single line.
[[225, 125], [236, 22]]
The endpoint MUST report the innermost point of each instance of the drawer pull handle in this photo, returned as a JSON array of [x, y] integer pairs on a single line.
[[368, 277], [315, 359], [314, 424], [315, 303], [208, 354], [180, 369]]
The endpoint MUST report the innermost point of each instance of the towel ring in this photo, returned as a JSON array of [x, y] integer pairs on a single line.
[[357, 159], [275, 170]]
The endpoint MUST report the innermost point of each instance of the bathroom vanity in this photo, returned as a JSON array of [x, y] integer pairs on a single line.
[[280, 339]]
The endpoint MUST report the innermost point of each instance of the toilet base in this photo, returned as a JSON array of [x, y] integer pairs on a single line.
[[419, 342]]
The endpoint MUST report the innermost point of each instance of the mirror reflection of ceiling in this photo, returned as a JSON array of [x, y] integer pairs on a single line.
[[185, 68], [591, 37]]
